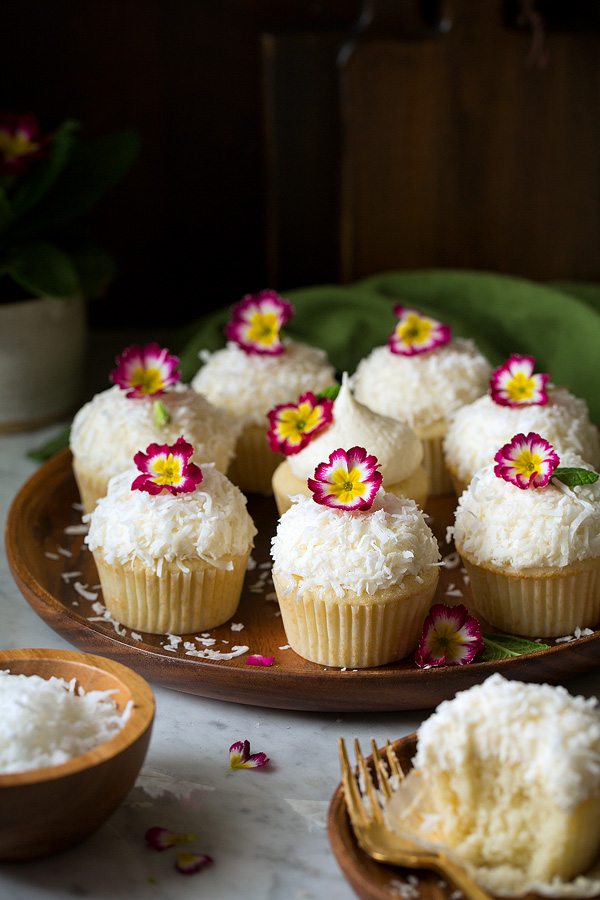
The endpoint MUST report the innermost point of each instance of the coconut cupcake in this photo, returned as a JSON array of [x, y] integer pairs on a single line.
[[519, 401], [354, 570], [146, 405], [255, 370], [422, 377], [506, 778], [310, 430], [171, 542], [528, 532]]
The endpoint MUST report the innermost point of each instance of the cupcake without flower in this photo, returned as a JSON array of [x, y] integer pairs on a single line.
[[519, 400], [171, 542], [528, 532], [256, 369], [147, 404], [354, 567], [422, 377], [310, 430]]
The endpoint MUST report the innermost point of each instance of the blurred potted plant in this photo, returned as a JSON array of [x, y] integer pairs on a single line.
[[48, 264]]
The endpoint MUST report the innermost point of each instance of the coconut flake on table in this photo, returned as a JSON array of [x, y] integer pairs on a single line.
[[48, 722]]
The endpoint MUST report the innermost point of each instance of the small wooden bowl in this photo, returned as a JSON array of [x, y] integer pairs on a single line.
[[48, 809]]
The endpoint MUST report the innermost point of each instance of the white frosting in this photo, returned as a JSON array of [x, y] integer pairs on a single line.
[[394, 443], [352, 551], [552, 736], [497, 522], [249, 385], [478, 430], [422, 389], [109, 430], [210, 523]]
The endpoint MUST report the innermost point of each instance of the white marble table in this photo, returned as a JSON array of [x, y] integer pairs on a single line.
[[264, 828]]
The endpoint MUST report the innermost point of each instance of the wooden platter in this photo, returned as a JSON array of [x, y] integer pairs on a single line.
[[41, 556]]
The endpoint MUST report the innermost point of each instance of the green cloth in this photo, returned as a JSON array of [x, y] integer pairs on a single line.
[[559, 324]]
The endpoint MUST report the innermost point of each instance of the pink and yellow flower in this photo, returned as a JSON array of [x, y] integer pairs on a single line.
[[349, 480], [192, 863], [416, 333], [20, 143], [256, 322], [293, 425], [526, 461], [515, 384], [145, 371], [241, 758], [451, 637], [158, 838], [167, 467]]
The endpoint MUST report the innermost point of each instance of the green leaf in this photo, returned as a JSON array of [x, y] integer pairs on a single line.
[[51, 448], [46, 171], [572, 476], [330, 393], [161, 414], [94, 167], [45, 270], [95, 268], [506, 646]]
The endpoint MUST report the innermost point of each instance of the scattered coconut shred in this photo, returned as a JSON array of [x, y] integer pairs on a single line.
[[48, 722]]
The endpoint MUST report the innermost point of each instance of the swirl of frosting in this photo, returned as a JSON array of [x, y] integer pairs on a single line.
[[394, 443]]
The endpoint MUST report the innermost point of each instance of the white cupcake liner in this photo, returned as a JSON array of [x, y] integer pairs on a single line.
[[254, 462], [176, 602], [434, 463], [337, 632], [91, 486], [537, 605]]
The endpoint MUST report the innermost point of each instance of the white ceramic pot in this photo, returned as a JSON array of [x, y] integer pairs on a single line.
[[42, 347]]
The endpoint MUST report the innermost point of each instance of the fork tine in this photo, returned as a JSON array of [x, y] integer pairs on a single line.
[[354, 803], [382, 776], [395, 767], [368, 783]]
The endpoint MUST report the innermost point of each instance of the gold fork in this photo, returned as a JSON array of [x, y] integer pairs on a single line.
[[372, 832]]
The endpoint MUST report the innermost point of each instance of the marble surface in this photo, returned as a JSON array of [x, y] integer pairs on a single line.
[[264, 828]]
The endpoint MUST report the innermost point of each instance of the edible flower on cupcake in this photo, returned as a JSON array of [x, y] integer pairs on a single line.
[[519, 400], [421, 377], [258, 369], [354, 567], [147, 404], [310, 429], [528, 531]]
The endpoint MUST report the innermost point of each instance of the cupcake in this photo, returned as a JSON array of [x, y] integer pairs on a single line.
[[354, 568], [528, 532], [254, 371], [518, 401], [422, 377], [146, 405], [171, 542], [506, 778], [310, 430]]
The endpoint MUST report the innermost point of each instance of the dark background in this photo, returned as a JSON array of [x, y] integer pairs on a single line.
[[286, 143]]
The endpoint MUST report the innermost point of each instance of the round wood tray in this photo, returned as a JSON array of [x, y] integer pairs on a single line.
[[36, 524]]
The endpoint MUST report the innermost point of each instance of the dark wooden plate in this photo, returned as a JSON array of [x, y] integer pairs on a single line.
[[376, 881], [36, 524]]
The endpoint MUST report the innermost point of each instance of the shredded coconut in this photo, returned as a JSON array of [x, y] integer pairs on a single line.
[[48, 722], [422, 389], [478, 430], [497, 522], [109, 430], [394, 443], [249, 385], [360, 551], [210, 523]]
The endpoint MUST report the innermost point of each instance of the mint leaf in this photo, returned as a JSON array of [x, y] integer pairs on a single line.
[[506, 646], [329, 393], [573, 476], [161, 414]]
